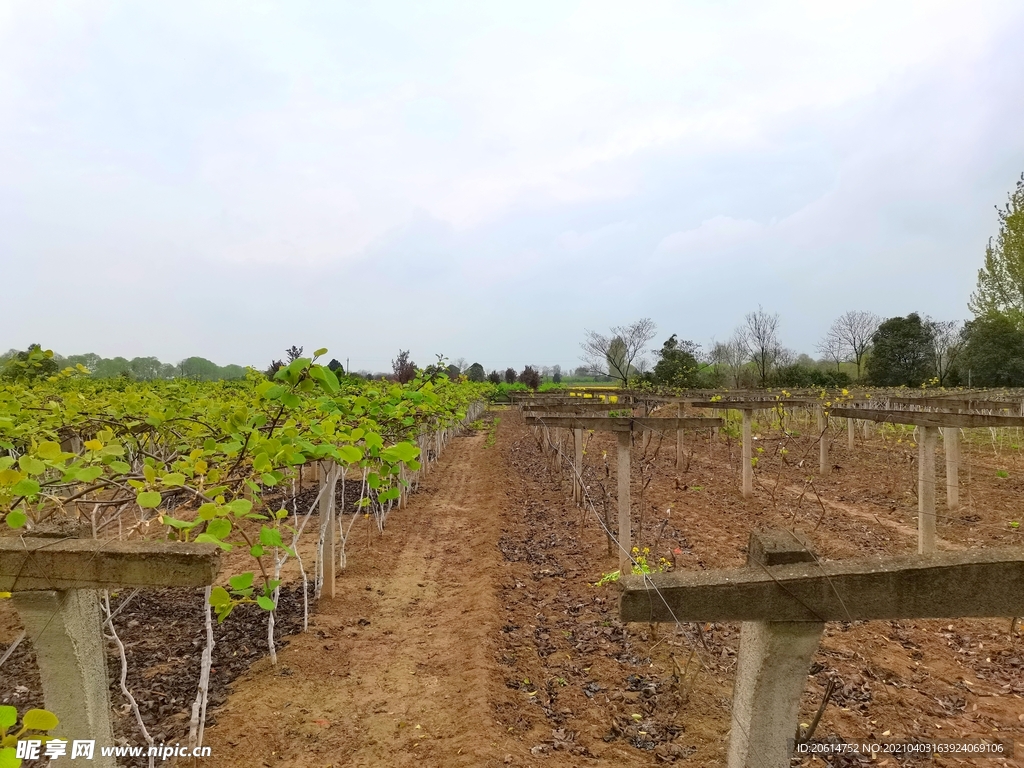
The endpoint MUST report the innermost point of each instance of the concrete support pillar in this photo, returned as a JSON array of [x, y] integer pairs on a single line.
[[679, 439], [850, 428], [823, 464], [625, 526], [951, 444], [771, 671], [771, 668], [746, 460], [577, 460], [328, 472], [926, 489], [65, 629]]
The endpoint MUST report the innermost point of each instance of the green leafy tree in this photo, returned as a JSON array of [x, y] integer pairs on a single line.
[[475, 372], [993, 353], [1000, 288], [510, 375], [902, 352], [494, 377], [678, 364], [198, 369]]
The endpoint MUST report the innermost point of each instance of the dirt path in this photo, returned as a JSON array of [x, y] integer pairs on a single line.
[[397, 670]]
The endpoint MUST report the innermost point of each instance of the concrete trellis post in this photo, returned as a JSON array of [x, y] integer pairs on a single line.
[[54, 586], [577, 459], [679, 437], [951, 444], [850, 427], [926, 489], [929, 423], [625, 523], [624, 426], [328, 474], [784, 601], [823, 464], [747, 455]]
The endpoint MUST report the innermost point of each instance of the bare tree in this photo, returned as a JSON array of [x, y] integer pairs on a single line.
[[852, 332], [728, 355], [832, 347], [759, 340], [621, 354], [947, 343]]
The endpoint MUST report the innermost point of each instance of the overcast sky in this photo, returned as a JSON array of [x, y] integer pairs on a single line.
[[488, 179]]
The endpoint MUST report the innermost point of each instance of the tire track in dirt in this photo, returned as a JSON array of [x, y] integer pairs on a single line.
[[398, 670]]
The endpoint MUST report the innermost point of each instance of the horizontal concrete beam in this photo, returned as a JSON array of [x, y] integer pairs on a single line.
[[929, 418], [569, 406], [47, 564], [622, 423], [956, 404], [988, 582]]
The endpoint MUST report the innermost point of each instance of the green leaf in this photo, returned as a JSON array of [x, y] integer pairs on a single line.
[[404, 452], [49, 450], [9, 758], [39, 720], [16, 519], [148, 499], [176, 523], [269, 479], [241, 581], [261, 462], [208, 511], [31, 465], [8, 716], [349, 454], [256, 550], [173, 479], [88, 474], [281, 514], [291, 400], [219, 528], [240, 506], [26, 487], [205, 538], [219, 596], [373, 480], [265, 603], [270, 537], [320, 352], [121, 467]]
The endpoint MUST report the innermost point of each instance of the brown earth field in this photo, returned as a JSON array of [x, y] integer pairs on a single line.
[[471, 633]]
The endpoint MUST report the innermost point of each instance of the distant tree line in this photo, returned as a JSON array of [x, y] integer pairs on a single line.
[[137, 369]]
